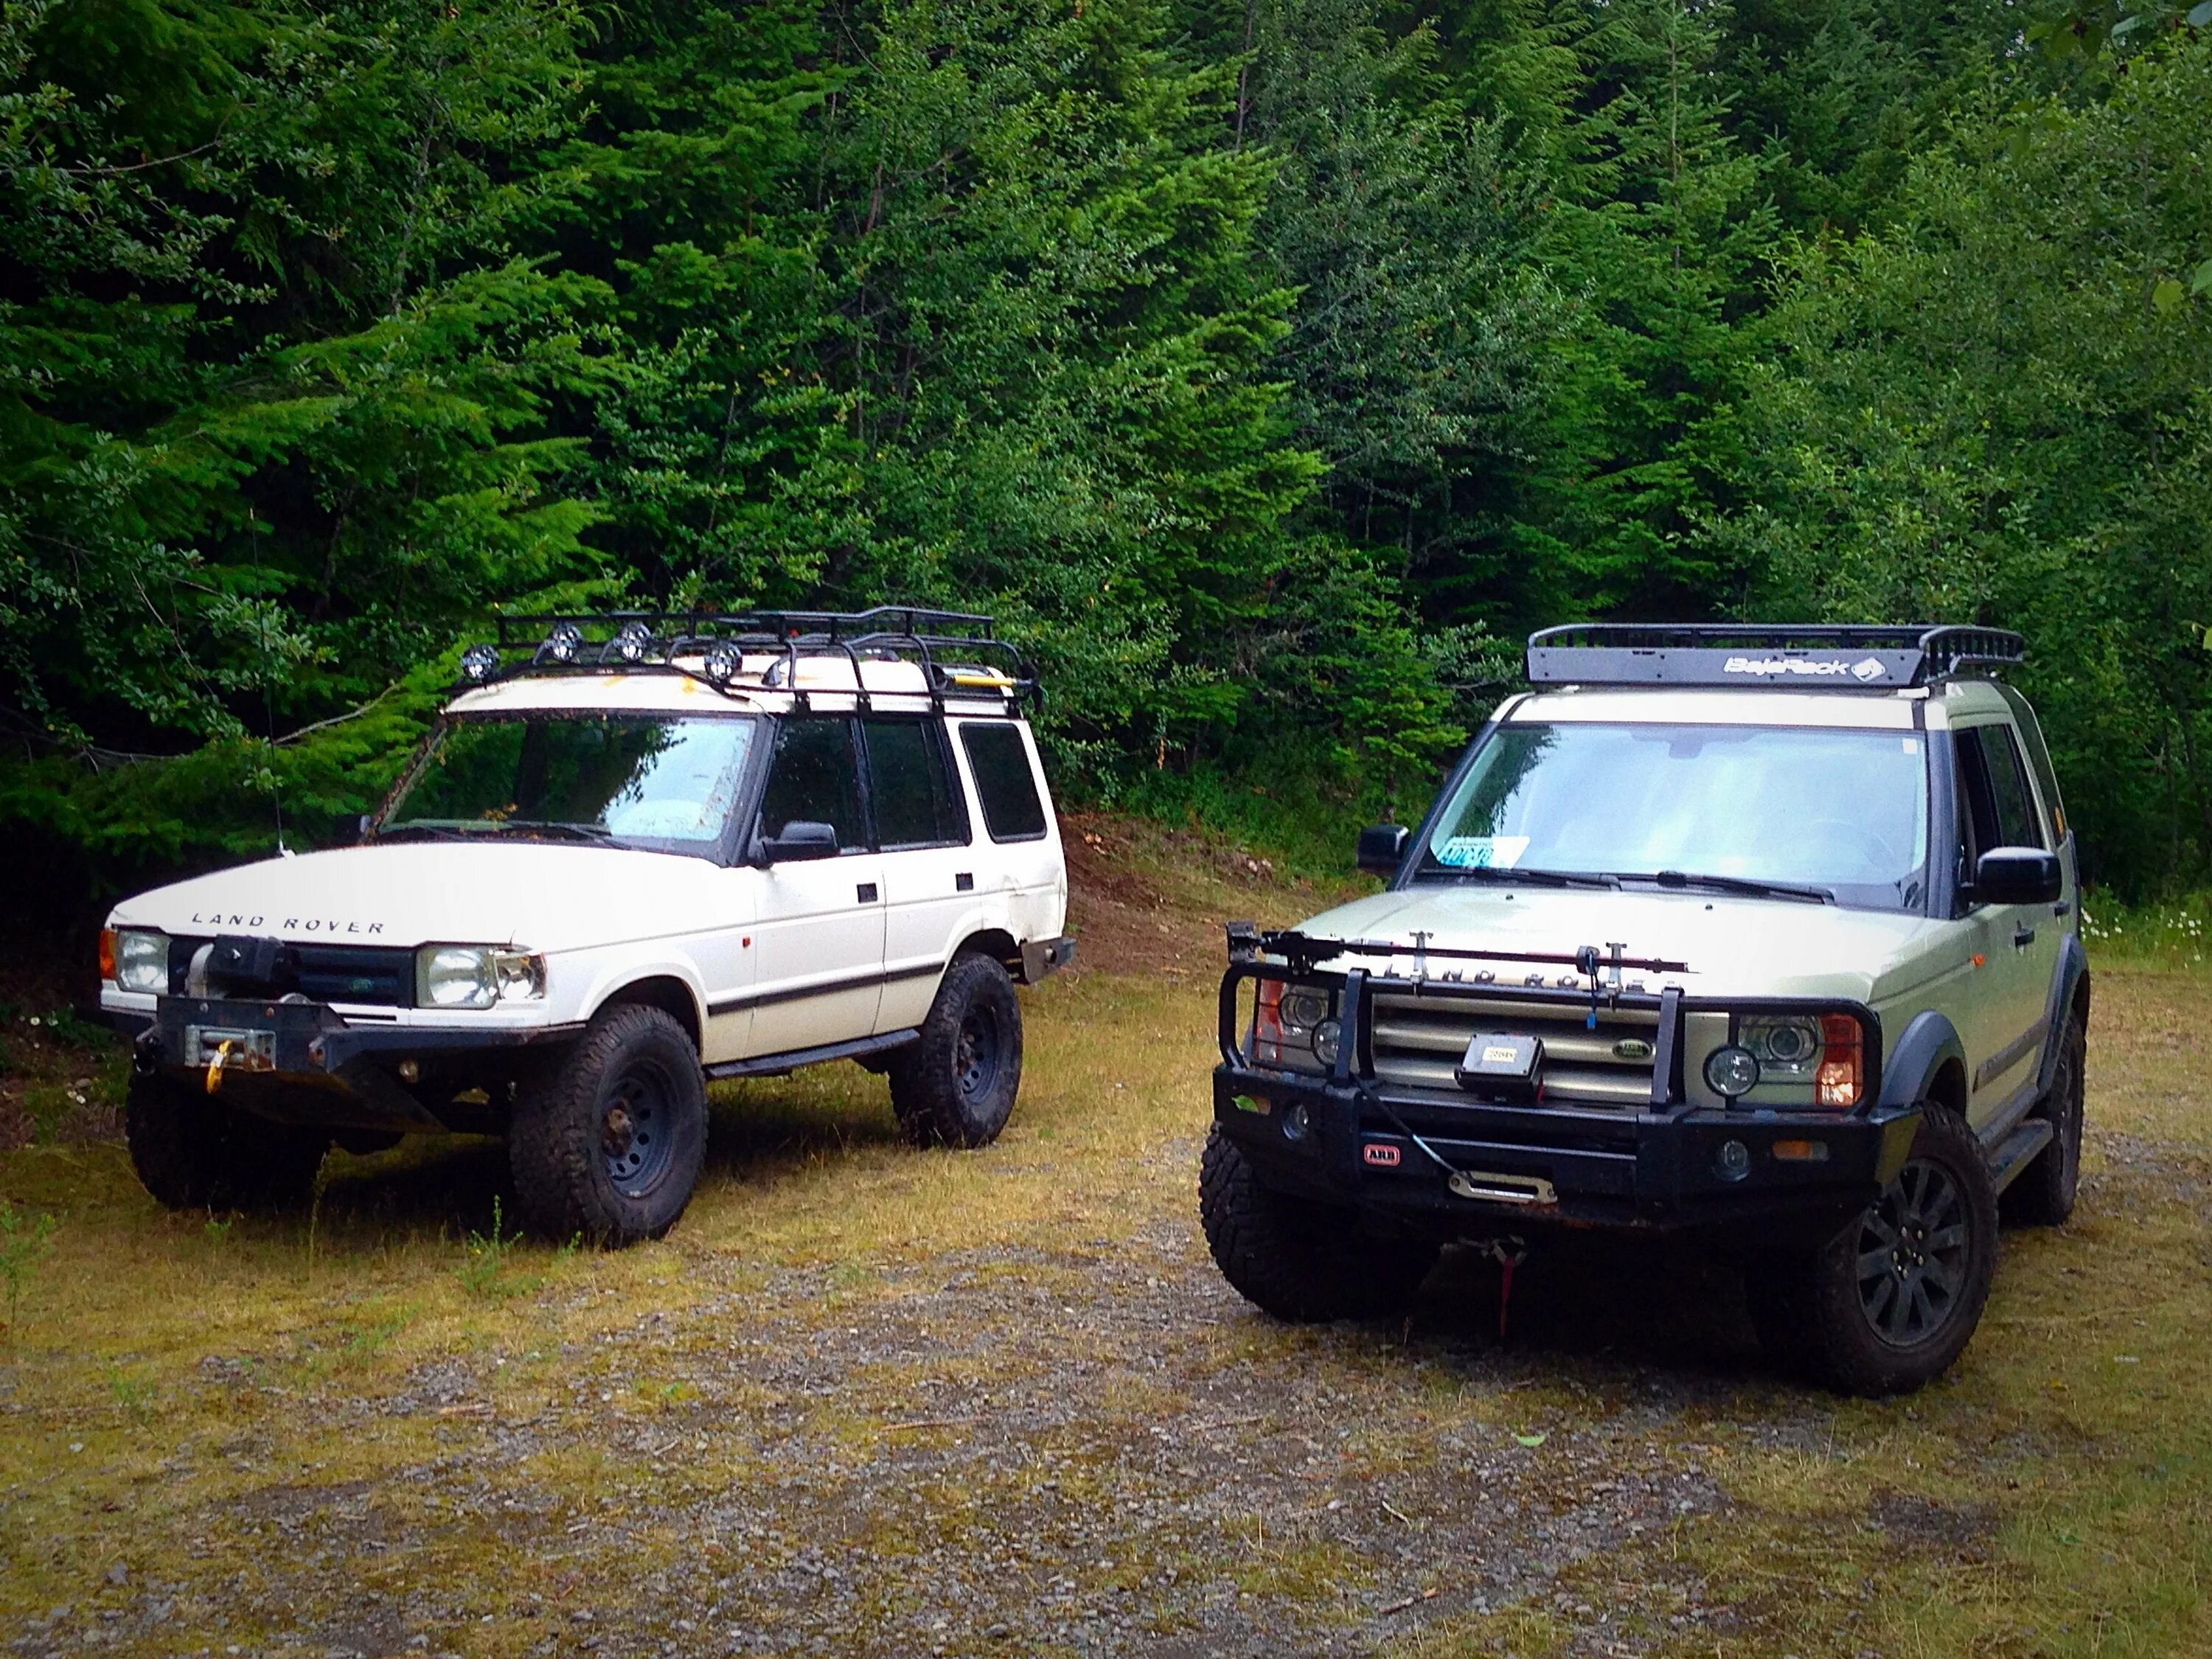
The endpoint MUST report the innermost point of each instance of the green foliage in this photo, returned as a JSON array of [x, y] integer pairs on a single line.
[[1997, 409], [1266, 367]]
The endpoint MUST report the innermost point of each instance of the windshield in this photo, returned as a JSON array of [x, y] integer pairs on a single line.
[[1839, 814], [666, 785]]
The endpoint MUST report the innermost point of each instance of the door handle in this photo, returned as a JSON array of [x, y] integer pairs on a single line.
[[867, 893], [2022, 937], [2062, 907]]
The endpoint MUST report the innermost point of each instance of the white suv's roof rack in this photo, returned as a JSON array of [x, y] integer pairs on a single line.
[[945, 653], [1802, 656]]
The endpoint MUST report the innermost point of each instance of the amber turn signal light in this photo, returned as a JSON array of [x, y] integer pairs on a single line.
[[107, 954]]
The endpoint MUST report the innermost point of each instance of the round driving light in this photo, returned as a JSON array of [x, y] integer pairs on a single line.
[[1296, 1123], [1327, 1039], [561, 644], [480, 663], [1733, 1161], [721, 662], [629, 644], [1732, 1070]]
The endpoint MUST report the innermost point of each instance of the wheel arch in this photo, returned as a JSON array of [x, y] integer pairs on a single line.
[[669, 993], [993, 942], [1927, 1062], [2070, 990]]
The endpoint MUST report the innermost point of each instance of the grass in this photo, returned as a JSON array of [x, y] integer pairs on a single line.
[[396, 1416]]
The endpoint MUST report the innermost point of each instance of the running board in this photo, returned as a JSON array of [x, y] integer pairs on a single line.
[[783, 1065], [2017, 1151]]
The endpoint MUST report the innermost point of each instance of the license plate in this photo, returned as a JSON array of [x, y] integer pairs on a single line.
[[248, 1049]]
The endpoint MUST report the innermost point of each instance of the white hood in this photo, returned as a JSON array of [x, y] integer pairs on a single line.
[[1732, 946], [418, 892]]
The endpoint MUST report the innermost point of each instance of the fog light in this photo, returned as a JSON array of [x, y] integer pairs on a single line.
[[480, 663], [721, 662], [1732, 1071], [561, 644], [1733, 1161], [1296, 1122], [629, 644], [1328, 1041], [410, 1071]]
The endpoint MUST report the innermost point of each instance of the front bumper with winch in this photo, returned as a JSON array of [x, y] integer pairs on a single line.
[[299, 1062], [1347, 1138]]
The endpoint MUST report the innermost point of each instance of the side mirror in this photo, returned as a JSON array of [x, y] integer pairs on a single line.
[[1382, 846], [360, 830], [2017, 875], [802, 838]]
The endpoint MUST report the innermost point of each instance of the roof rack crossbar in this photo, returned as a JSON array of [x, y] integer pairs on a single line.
[[1844, 657], [925, 636]]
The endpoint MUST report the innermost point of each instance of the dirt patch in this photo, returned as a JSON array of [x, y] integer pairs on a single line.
[[1145, 898]]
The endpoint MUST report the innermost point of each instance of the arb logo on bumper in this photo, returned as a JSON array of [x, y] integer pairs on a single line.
[[1382, 1155]]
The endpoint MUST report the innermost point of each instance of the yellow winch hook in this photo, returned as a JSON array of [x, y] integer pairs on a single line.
[[215, 1065]]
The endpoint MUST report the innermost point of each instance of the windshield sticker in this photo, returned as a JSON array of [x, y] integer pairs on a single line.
[[1482, 852]]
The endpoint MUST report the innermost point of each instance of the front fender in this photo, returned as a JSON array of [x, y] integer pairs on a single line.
[[1910, 1068], [613, 976]]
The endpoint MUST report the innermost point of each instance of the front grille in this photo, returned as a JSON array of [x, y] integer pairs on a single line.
[[1418, 1042], [372, 974], [356, 973]]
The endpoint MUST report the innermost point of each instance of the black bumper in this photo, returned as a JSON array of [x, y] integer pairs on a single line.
[[322, 1070], [1664, 1170]]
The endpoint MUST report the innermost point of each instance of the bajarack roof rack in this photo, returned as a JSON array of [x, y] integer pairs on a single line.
[[958, 653], [1802, 657]]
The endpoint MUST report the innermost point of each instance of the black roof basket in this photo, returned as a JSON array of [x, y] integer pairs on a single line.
[[1802, 656], [958, 652]]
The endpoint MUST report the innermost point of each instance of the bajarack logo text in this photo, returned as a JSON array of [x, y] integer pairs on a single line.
[[1866, 668]]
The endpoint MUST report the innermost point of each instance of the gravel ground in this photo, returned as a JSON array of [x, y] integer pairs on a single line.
[[1079, 1446]]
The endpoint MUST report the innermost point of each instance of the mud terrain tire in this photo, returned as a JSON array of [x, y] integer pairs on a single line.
[[2042, 1195], [194, 1153], [955, 1086], [1889, 1302], [1300, 1261], [608, 1142]]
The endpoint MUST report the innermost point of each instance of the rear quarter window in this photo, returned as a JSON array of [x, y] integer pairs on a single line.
[[1006, 787]]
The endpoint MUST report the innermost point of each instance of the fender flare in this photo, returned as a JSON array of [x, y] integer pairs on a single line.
[[1920, 1052], [2071, 972]]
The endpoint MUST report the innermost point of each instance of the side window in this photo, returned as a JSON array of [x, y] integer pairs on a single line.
[[813, 780], [2017, 821], [910, 785], [1004, 783]]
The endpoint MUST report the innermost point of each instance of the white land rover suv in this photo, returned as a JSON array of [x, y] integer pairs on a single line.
[[1767, 934], [637, 852]]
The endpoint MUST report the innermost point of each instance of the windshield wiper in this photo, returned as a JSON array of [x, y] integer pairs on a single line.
[[1506, 875], [1745, 885], [427, 830], [590, 832]]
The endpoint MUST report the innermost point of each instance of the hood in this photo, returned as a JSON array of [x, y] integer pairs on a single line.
[[1733, 946], [532, 895]]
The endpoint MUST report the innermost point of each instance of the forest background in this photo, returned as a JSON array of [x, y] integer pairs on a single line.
[[1267, 368]]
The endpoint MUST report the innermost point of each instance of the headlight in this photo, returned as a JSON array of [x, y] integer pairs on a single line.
[[475, 975], [1295, 1027], [142, 960], [1785, 1046]]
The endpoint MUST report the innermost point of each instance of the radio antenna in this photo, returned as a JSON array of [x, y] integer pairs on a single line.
[[268, 716]]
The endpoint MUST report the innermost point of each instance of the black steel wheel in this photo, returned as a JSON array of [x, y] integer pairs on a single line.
[[193, 1150], [2043, 1194], [955, 1085], [1890, 1301], [608, 1143]]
